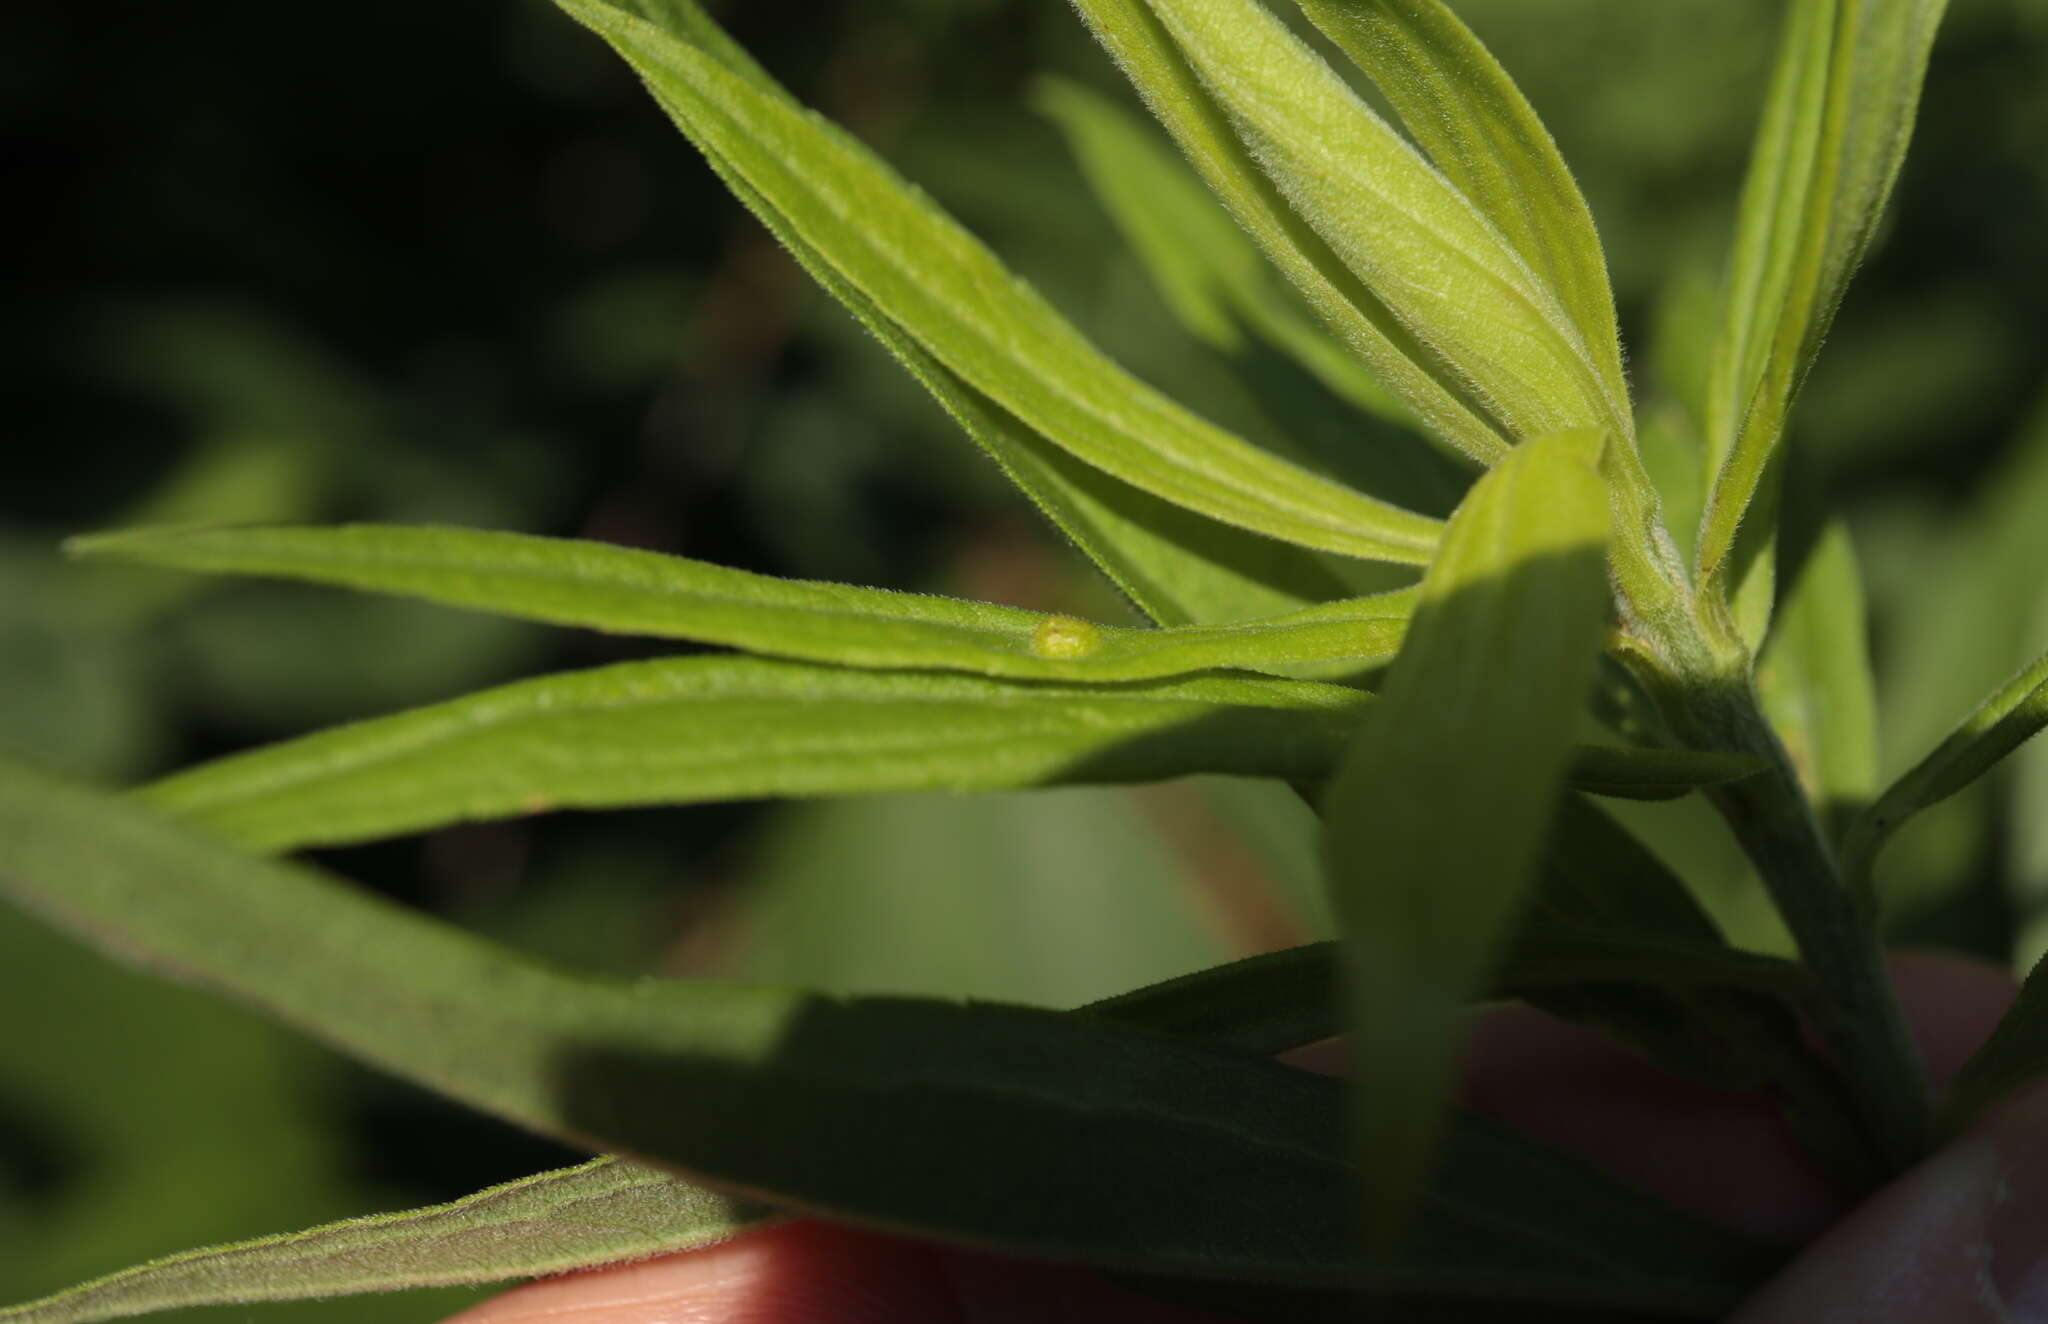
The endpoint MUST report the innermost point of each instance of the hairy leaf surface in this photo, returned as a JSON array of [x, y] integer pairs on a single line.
[[1178, 567], [1149, 56], [686, 730], [1091, 1141], [719, 728], [595, 1213], [625, 591], [949, 293], [1482, 133], [1834, 134], [1424, 250], [1207, 268], [1438, 813]]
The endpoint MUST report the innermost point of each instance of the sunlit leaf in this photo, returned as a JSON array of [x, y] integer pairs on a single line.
[[1437, 816], [1198, 1161], [1482, 133], [599, 1212], [1175, 93], [1426, 252], [626, 591], [1834, 133], [949, 293], [721, 728], [1207, 268], [1178, 567]]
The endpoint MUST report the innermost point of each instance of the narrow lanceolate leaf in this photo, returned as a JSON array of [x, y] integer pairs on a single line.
[[949, 293], [1178, 567], [1486, 140], [1437, 816], [1814, 677], [1031, 1132], [1482, 133], [1428, 254], [626, 591], [1207, 268], [609, 1210], [1834, 133], [722, 728], [599, 1212], [2001, 724], [1173, 91]]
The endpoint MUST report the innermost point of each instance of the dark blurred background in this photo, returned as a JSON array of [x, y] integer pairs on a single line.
[[447, 263]]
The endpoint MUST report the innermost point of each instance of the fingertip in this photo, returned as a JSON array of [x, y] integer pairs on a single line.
[[796, 1273], [1960, 1239]]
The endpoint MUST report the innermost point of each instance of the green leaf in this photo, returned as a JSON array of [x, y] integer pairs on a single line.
[[595, 1213], [1177, 566], [626, 591], [1435, 262], [1210, 272], [1437, 816], [684, 730], [1048, 897], [1482, 133], [609, 1210], [1814, 678], [2001, 724], [949, 293], [1834, 133], [1088, 1141], [1262, 1004], [1594, 923], [1175, 94], [719, 728]]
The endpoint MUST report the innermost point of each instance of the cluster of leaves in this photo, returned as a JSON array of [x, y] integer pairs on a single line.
[[1451, 284]]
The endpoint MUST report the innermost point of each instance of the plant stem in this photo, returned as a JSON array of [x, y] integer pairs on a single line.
[[1834, 923], [1698, 671]]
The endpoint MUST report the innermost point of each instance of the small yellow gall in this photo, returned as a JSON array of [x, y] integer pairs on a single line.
[[1064, 637]]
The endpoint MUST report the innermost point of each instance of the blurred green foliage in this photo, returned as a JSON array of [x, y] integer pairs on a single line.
[[449, 264]]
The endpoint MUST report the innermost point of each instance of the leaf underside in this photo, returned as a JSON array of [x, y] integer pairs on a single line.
[[939, 287], [1199, 1162], [690, 730], [626, 591], [1438, 813], [598, 1212], [1835, 127]]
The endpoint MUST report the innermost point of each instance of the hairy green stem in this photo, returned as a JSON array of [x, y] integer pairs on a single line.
[[1836, 928], [1708, 696]]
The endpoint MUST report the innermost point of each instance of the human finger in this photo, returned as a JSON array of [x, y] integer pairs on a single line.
[[1961, 1239]]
